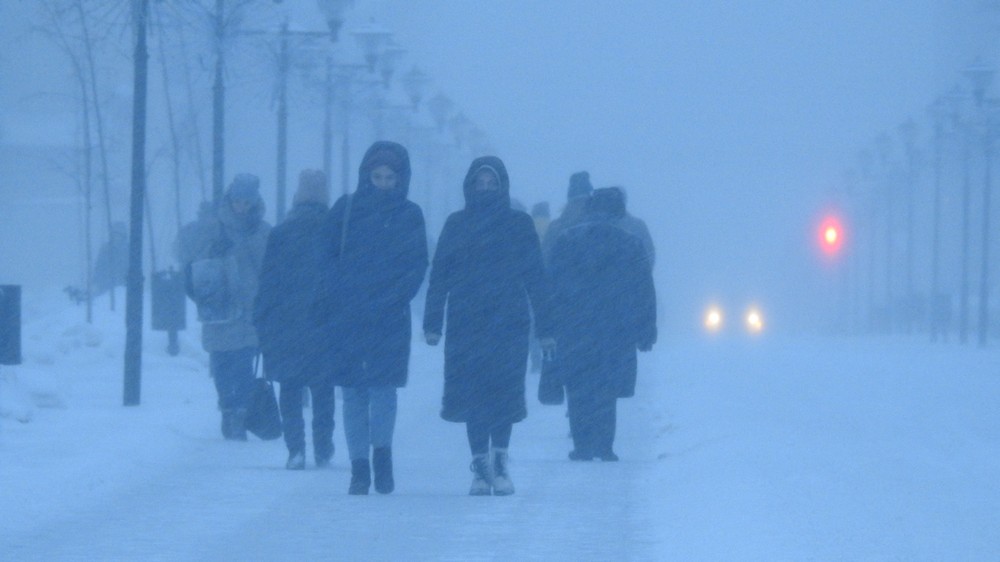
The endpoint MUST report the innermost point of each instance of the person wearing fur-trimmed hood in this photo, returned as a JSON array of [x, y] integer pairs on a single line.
[[488, 270]]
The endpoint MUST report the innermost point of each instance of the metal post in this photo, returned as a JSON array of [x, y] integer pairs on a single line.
[[984, 286], [890, 207], [910, 180], [219, 107], [328, 123], [282, 123], [963, 299], [133, 296], [936, 238], [345, 146]]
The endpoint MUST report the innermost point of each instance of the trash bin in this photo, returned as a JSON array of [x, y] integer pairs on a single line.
[[169, 312], [10, 324]]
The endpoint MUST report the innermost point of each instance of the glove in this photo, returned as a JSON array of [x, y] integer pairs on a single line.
[[548, 346], [432, 338]]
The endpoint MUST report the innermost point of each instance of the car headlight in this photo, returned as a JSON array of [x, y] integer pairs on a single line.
[[754, 321], [713, 319]]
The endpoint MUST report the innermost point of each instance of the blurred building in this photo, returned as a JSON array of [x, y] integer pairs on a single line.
[[41, 205]]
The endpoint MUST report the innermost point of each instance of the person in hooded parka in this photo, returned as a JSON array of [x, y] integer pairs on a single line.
[[488, 270], [229, 242], [375, 261], [289, 285], [572, 214], [604, 306]]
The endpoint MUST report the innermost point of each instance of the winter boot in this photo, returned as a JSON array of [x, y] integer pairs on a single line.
[[296, 460], [361, 477], [482, 481], [324, 454], [579, 455], [382, 465], [238, 425], [502, 485], [608, 456]]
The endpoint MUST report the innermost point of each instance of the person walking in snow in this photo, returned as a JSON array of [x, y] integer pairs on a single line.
[[375, 260], [111, 267], [634, 226], [604, 309], [289, 285], [488, 270], [222, 253], [574, 211]]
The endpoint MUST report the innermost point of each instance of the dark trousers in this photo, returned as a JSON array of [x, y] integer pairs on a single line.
[[592, 419], [481, 433], [293, 422], [233, 374]]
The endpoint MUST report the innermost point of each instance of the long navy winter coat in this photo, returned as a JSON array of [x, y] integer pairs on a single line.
[[488, 270], [604, 302], [289, 283], [365, 306]]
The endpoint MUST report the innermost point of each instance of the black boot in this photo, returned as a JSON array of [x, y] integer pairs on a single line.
[[361, 477], [382, 465]]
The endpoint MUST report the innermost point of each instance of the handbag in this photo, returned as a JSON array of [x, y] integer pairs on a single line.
[[263, 416], [550, 384]]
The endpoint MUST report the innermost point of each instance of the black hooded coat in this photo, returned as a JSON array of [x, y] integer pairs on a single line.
[[604, 301], [488, 270], [289, 283], [372, 275]]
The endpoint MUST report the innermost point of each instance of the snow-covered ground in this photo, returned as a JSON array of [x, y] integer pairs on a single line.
[[738, 449]]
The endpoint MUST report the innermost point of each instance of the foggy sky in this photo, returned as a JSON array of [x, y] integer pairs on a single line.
[[729, 123]]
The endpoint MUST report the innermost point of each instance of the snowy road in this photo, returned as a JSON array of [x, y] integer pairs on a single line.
[[801, 449]]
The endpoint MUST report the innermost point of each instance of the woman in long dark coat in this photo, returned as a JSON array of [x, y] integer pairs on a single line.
[[604, 305], [289, 281], [488, 269], [375, 263]]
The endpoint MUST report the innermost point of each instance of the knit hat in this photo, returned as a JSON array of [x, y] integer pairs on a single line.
[[579, 185], [312, 188], [244, 187]]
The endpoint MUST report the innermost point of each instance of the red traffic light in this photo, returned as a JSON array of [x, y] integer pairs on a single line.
[[831, 235]]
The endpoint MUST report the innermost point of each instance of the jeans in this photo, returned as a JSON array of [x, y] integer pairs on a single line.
[[293, 423], [233, 374], [369, 418]]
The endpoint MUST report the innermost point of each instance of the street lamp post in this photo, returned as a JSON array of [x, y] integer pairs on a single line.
[[333, 12], [865, 159], [908, 134], [219, 106], [282, 159], [938, 111], [980, 75], [133, 296], [884, 147]]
